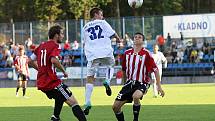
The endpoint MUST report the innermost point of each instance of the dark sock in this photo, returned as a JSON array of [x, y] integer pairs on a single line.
[[120, 116], [24, 90], [57, 108], [17, 89], [136, 110], [79, 114]]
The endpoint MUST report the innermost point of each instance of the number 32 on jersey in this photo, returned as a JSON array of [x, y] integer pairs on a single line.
[[96, 32]]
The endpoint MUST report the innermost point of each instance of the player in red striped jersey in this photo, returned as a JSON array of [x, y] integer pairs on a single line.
[[21, 66], [137, 65]]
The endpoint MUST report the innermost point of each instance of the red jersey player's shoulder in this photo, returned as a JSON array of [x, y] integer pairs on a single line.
[[53, 44], [25, 56], [50, 45], [147, 52], [129, 50], [17, 56], [144, 49]]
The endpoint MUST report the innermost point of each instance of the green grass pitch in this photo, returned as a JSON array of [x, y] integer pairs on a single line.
[[182, 102]]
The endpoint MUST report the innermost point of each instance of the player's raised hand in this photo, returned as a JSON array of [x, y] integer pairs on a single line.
[[160, 91], [119, 40], [65, 74]]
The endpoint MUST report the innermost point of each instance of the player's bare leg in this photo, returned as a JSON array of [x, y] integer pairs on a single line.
[[136, 106], [155, 91], [88, 93], [106, 83], [17, 88], [24, 86], [76, 109], [117, 109]]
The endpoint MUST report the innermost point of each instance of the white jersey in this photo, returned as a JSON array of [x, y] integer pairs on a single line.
[[159, 59], [97, 42]]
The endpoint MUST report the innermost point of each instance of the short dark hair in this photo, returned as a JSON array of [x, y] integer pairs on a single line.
[[21, 47], [155, 44], [93, 11], [54, 30], [141, 35]]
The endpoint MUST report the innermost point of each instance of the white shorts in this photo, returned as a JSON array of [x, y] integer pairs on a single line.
[[94, 64]]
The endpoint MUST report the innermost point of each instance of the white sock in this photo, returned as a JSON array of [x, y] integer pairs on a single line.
[[155, 89], [88, 93], [109, 74]]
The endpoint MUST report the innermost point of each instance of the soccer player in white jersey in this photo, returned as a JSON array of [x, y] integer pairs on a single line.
[[98, 51], [160, 60]]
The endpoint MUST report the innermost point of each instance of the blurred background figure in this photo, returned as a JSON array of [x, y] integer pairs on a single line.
[[21, 66], [159, 61], [161, 42], [75, 45]]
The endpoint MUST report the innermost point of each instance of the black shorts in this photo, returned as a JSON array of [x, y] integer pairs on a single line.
[[22, 77], [129, 88], [61, 92]]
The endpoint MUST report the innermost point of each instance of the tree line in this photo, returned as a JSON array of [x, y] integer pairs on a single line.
[[51, 10]]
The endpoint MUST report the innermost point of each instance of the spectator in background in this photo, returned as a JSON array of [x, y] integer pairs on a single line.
[[193, 55], [200, 56], [119, 75], [1, 58], [75, 45], [9, 61], [169, 39], [206, 48], [66, 46], [199, 44], [169, 57], [119, 52], [67, 59], [30, 50], [129, 41], [161, 42], [14, 50], [6, 57], [180, 55], [9, 43], [182, 36], [114, 43], [145, 44], [28, 43], [173, 51]]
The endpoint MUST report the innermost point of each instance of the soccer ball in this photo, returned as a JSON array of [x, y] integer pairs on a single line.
[[135, 3]]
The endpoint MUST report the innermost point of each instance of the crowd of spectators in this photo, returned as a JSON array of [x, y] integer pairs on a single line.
[[196, 50], [9, 50], [179, 50]]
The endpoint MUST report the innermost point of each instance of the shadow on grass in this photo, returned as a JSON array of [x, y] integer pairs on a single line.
[[104, 113]]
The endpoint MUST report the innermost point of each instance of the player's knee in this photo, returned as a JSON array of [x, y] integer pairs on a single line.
[[71, 102], [115, 108], [90, 79], [136, 98]]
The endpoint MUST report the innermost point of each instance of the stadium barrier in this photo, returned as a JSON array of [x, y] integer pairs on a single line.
[[8, 76]]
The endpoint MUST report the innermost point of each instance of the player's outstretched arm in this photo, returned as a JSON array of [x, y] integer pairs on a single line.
[[124, 77], [58, 65], [118, 39], [32, 63], [158, 82]]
